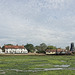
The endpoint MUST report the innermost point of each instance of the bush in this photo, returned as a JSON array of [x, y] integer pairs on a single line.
[[40, 52], [32, 51]]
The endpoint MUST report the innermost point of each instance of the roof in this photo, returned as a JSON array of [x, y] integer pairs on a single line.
[[55, 50], [51, 50], [13, 47], [59, 50]]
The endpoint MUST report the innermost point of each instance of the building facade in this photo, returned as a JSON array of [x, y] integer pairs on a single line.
[[1, 50], [12, 49], [51, 51], [57, 51]]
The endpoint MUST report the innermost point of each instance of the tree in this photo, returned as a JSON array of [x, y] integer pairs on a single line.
[[9, 44], [41, 48], [38, 47], [67, 48], [51, 47], [29, 47]]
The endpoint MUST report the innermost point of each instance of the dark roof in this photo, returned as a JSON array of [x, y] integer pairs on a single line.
[[13, 47]]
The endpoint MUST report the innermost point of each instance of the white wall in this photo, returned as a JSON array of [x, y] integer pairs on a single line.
[[0, 51], [16, 51]]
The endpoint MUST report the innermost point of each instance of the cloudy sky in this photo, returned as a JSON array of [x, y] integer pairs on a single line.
[[37, 21]]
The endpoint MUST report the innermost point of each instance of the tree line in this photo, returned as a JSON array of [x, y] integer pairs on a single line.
[[39, 48]]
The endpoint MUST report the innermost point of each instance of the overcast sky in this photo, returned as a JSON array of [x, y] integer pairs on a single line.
[[37, 21]]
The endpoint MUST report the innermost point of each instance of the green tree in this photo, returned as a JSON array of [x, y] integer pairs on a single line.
[[67, 48], [41, 48], [51, 47], [38, 47], [29, 47], [9, 44]]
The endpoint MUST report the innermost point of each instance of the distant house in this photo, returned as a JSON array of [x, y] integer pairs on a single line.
[[51, 51], [57, 51], [61, 51], [64, 51], [14, 49], [1, 50]]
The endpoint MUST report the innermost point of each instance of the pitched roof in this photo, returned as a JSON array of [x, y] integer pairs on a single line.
[[13, 47], [55, 50], [59, 50], [51, 50]]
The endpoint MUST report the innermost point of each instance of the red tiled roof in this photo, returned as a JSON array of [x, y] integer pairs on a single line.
[[55, 50], [59, 50], [13, 47], [51, 50]]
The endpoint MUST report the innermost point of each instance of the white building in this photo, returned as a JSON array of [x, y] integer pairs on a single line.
[[15, 49], [1, 51]]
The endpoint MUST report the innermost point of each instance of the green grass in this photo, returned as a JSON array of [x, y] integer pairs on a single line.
[[19, 65]]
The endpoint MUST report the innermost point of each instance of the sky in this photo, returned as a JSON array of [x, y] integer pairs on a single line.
[[37, 21]]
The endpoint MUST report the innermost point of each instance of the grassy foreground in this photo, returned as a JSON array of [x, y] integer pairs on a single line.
[[36, 65]]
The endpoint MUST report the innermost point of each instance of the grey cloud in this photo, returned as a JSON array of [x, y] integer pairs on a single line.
[[36, 21]]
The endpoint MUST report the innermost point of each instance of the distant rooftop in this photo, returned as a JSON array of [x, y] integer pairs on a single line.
[[13, 47]]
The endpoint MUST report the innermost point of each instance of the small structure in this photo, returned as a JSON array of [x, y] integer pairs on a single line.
[[12, 49], [51, 51], [57, 51], [1, 50], [61, 51]]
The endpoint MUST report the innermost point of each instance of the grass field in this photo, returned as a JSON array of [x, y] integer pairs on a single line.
[[37, 65]]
